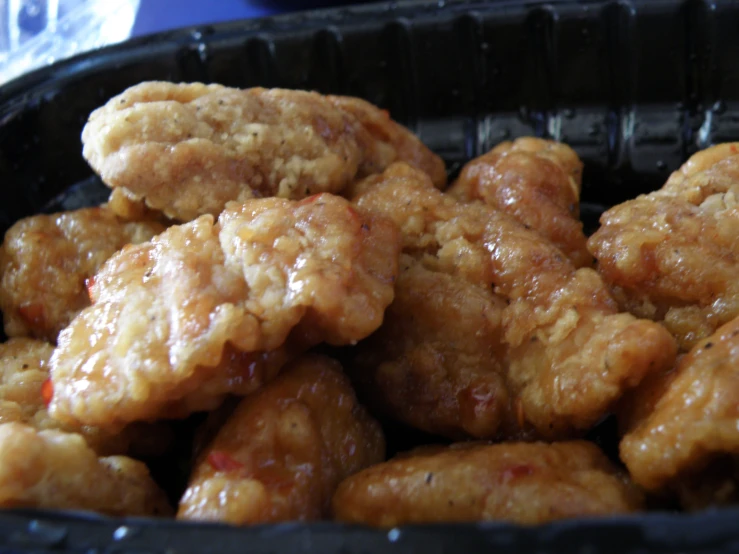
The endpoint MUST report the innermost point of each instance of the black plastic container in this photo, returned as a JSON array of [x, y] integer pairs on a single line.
[[634, 86]]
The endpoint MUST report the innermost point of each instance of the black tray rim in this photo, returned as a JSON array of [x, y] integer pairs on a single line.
[[24, 530]]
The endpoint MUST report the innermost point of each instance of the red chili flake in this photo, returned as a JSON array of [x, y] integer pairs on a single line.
[[733, 148], [353, 213], [47, 391], [32, 313], [309, 199], [89, 283], [516, 472], [221, 461]]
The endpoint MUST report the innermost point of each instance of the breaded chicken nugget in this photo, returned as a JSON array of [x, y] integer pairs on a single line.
[[523, 483], [389, 142], [538, 183], [683, 426], [46, 260], [188, 149], [282, 453], [53, 469], [26, 390], [671, 255], [568, 354], [205, 309], [439, 362]]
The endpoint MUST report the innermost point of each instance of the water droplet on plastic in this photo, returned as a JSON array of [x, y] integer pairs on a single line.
[[393, 535], [196, 35], [441, 3], [569, 113], [719, 107], [661, 165]]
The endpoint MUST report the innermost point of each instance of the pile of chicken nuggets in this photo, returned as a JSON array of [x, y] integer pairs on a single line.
[[296, 265]]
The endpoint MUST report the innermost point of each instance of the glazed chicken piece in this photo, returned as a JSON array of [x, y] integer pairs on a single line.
[[208, 309], [682, 427], [524, 483], [26, 390], [188, 149], [47, 259], [566, 356], [537, 182], [671, 255], [57, 470], [284, 450], [439, 362]]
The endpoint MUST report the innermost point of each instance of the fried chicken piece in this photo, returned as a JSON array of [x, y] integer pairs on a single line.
[[538, 183], [519, 482], [283, 452], [25, 391], [128, 208], [671, 255], [188, 149], [53, 469], [206, 309], [46, 261], [699, 162], [682, 427], [438, 362], [569, 355], [389, 142]]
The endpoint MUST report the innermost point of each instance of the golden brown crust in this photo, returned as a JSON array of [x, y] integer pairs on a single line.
[[690, 420], [523, 483], [562, 332], [438, 361], [46, 260], [188, 149], [671, 255], [52, 469], [538, 183], [25, 391], [205, 310], [390, 142], [284, 450]]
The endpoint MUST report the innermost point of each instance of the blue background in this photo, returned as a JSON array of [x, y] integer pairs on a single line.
[[160, 15]]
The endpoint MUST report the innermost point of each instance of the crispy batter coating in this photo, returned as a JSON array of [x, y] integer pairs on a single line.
[[389, 142], [518, 482], [25, 390], [53, 469], [438, 361], [683, 426], [46, 260], [205, 309], [538, 183], [283, 452], [671, 255], [569, 354], [188, 149]]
